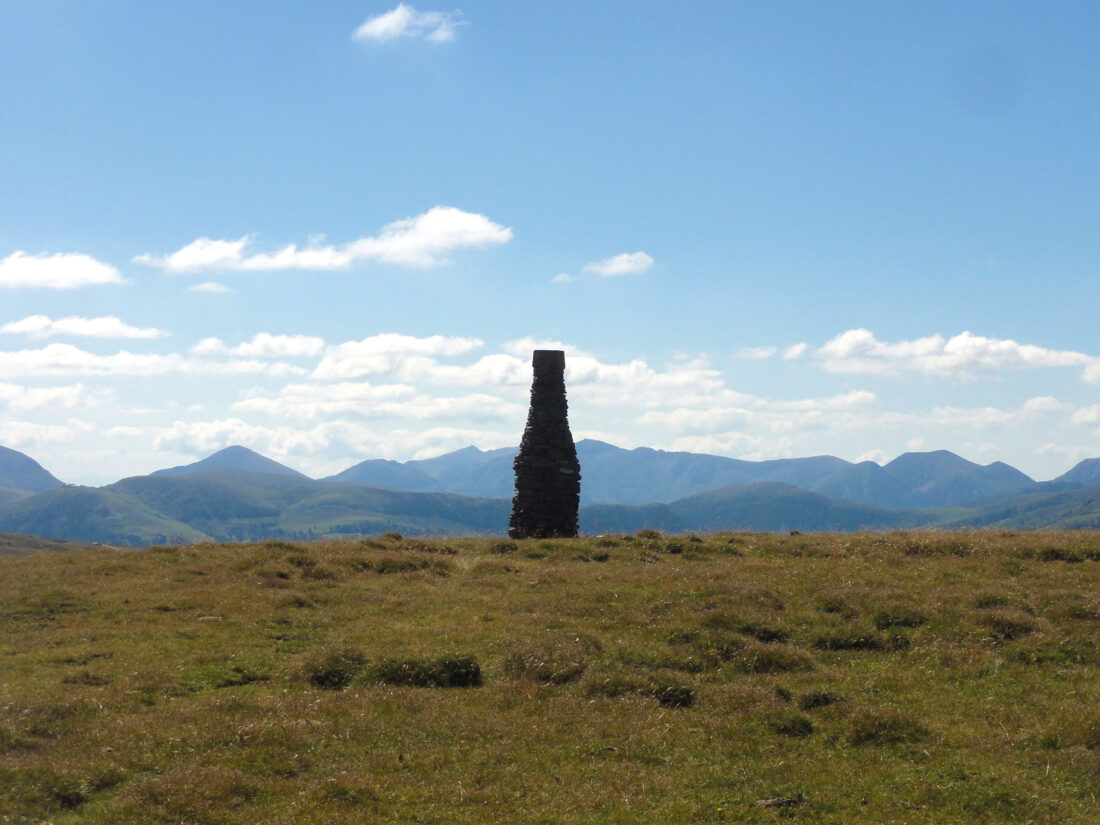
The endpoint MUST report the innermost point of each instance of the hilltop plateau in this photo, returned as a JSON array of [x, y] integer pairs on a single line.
[[645, 678]]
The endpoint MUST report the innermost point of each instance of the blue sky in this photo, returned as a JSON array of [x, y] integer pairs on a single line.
[[334, 231]]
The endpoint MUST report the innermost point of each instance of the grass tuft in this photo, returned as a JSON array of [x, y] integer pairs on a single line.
[[818, 699], [334, 669], [558, 661], [898, 617], [672, 694], [789, 723], [850, 638], [772, 659], [439, 672], [885, 728], [1003, 625]]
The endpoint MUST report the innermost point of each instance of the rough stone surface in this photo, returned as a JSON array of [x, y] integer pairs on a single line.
[[548, 475]]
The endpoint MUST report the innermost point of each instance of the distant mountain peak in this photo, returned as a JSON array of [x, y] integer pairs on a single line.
[[930, 458], [233, 457], [1085, 473], [19, 471]]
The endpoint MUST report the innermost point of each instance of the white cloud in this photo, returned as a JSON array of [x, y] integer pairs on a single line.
[[423, 241], [406, 21], [207, 436], [984, 448], [523, 347], [314, 400], [21, 435], [795, 351], [1086, 415], [748, 411], [210, 286], [395, 401], [844, 401], [858, 351], [265, 345], [562, 278], [1042, 404], [65, 359], [387, 352], [200, 254], [626, 263], [210, 346], [62, 270], [755, 353], [978, 418], [41, 326], [738, 443], [16, 397], [315, 448]]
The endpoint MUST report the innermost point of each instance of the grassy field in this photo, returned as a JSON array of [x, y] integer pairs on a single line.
[[869, 678]]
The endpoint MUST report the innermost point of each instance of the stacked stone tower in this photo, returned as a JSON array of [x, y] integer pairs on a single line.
[[548, 475]]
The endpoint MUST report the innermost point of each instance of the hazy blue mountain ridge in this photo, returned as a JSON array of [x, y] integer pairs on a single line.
[[379, 472], [239, 495], [612, 475]]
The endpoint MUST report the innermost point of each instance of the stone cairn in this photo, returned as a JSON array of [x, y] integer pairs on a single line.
[[548, 475]]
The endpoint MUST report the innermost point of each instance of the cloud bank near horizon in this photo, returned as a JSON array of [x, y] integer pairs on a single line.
[[961, 357], [322, 405]]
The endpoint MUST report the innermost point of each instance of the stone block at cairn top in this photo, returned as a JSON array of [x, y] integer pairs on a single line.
[[548, 359], [548, 480]]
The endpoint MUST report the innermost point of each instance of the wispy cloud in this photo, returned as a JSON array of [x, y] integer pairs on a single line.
[[61, 270], [210, 286], [755, 353], [406, 21], [626, 263], [423, 241], [42, 326]]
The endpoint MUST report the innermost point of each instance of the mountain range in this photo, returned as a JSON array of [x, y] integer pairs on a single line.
[[239, 495]]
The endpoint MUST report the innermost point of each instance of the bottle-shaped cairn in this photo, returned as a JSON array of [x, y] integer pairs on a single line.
[[548, 475]]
